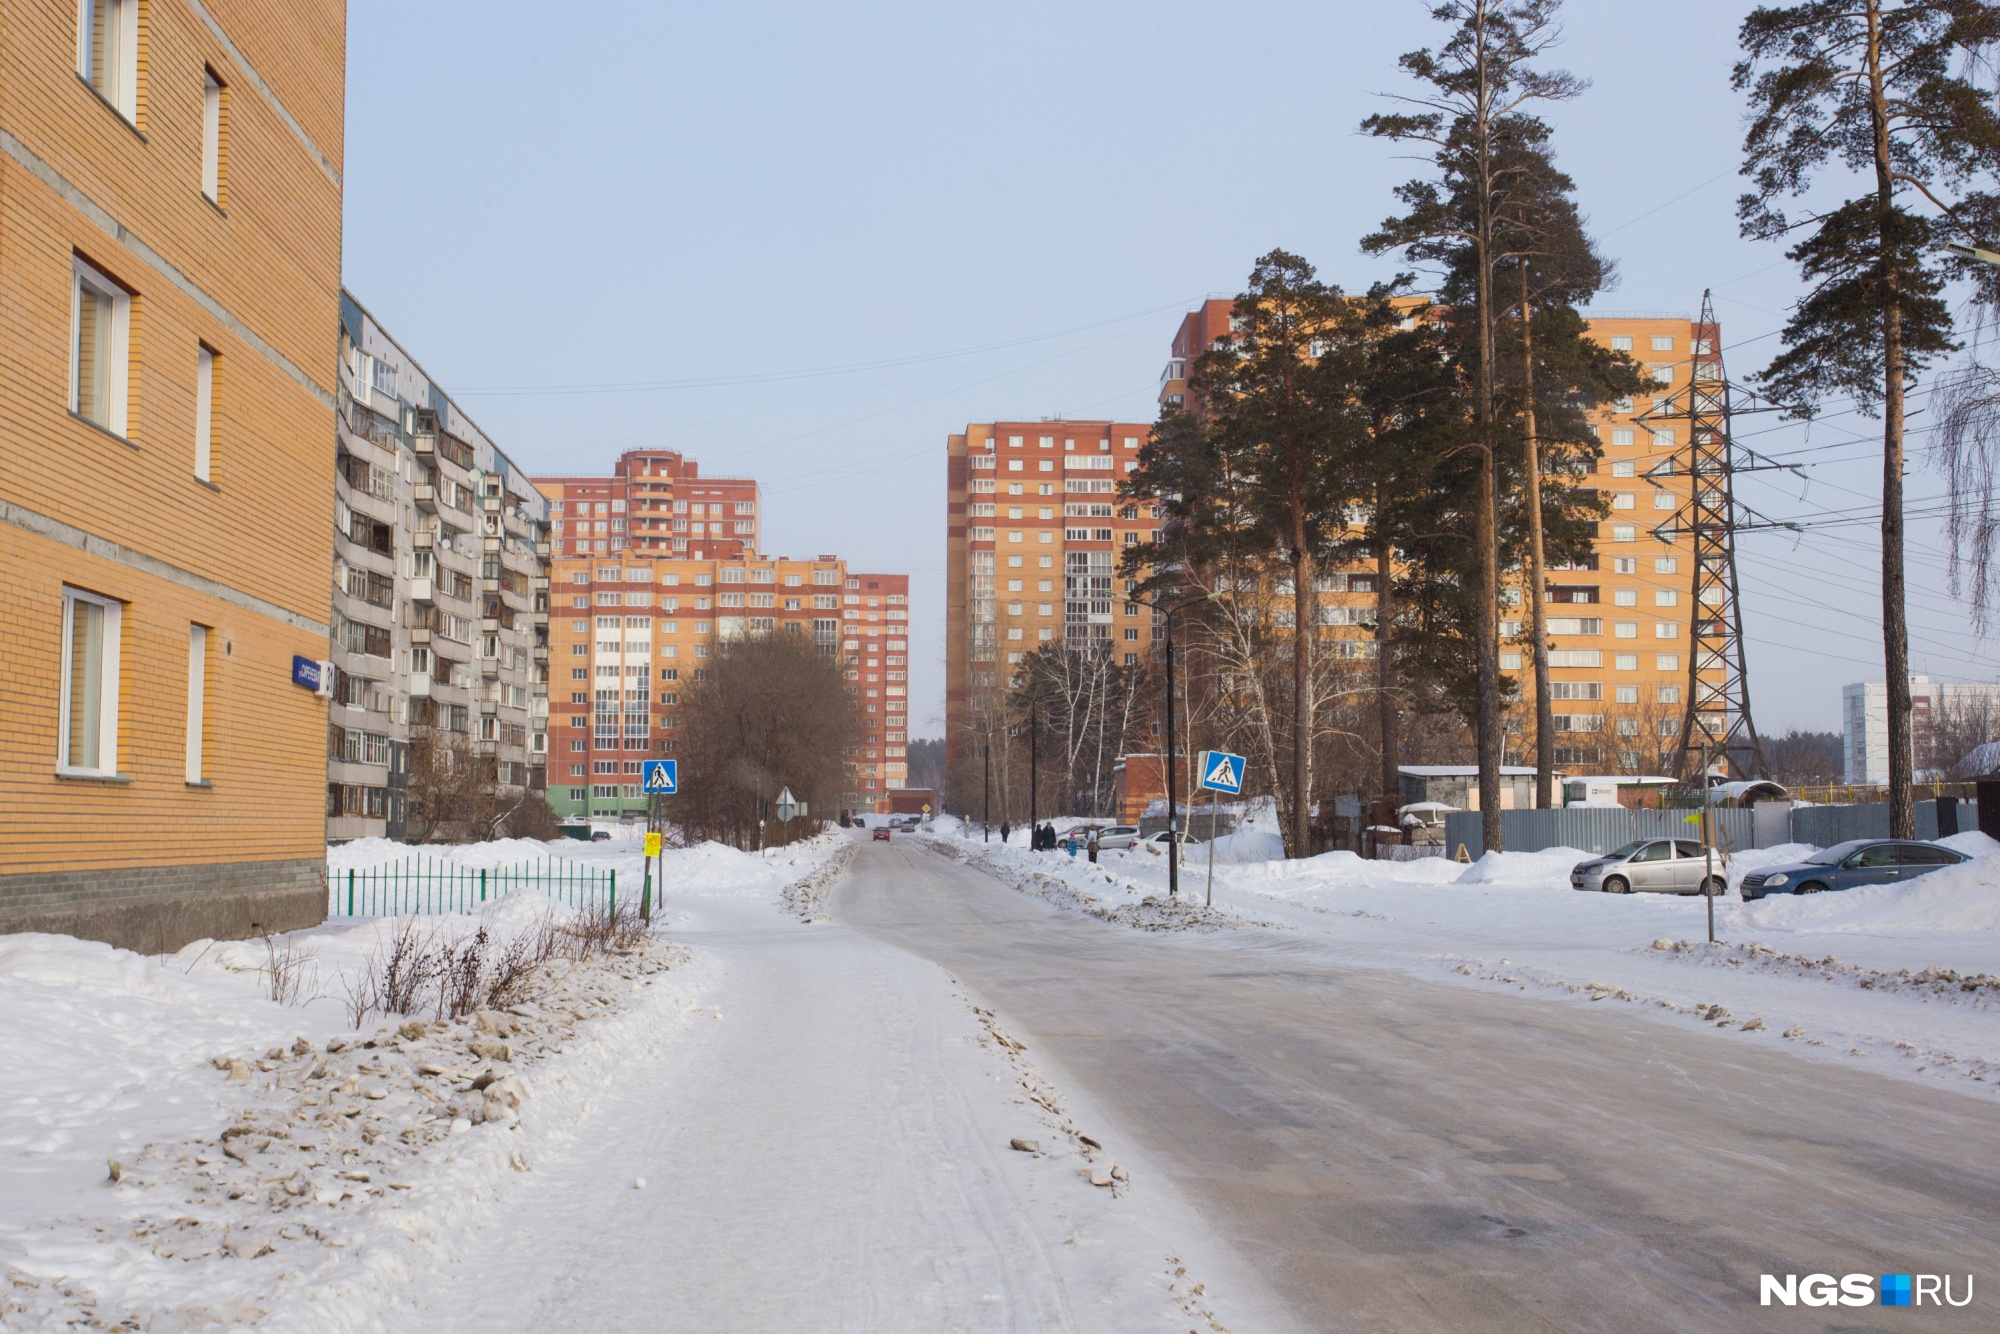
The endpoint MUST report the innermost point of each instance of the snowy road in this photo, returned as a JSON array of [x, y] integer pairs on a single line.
[[828, 1150], [1399, 1154]]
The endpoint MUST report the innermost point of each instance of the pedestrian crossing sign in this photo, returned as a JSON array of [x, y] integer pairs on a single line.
[[662, 778], [1221, 771]]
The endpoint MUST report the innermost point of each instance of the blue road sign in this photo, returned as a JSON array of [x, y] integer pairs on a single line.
[[662, 778], [1221, 771], [305, 672]]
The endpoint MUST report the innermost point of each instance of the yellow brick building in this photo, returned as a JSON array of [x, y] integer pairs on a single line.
[[170, 199]]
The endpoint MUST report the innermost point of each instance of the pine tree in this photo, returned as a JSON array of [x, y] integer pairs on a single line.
[[1247, 468], [1480, 81], [1883, 89]]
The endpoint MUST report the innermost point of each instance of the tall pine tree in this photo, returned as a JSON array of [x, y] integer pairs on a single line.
[[1480, 84], [1883, 89]]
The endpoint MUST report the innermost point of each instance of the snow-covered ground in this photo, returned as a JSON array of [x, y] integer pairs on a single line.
[[754, 1120], [1905, 977]]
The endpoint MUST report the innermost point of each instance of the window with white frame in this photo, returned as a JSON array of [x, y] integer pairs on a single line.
[[197, 689], [100, 315], [211, 135], [204, 412], [88, 708], [107, 51], [1663, 342]]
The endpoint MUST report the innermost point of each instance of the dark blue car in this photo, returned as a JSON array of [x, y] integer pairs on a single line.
[[1861, 861]]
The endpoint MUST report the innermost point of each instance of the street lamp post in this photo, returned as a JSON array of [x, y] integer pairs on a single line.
[[1034, 766], [986, 796], [1168, 612]]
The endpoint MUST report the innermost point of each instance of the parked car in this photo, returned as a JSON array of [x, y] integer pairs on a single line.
[[1117, 836], [881, 834], [600, 836], [1861, 861], [1666, 865], [1157, 843]]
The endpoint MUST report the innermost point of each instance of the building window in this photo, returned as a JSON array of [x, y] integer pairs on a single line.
[[1670, 694], [1627, 662], [1625, 565], [88, 725], [1666, 564], [107, 51], [1624, 500], [100, 314], [1666, 629], [1621, 342], [204, 412], [211, 136], [1663, 342], [1663, 500], [1666, 597], [197, 687], [1624, 532], [1667, 662]]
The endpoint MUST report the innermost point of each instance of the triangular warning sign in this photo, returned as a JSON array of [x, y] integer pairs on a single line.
[[656, 781], [1223, 773]]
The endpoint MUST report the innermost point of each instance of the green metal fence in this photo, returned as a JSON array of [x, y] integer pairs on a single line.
[[417, 885]]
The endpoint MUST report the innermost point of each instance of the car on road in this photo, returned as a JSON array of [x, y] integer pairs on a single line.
[[1665, 865], [1861, 861], [881, 834], [1157, 843]]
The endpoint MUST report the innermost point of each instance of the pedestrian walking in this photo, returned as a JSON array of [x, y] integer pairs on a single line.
[[1093, 847], [1003, 831]]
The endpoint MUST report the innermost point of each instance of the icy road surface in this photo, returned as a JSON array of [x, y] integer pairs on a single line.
[[1410, 1155]]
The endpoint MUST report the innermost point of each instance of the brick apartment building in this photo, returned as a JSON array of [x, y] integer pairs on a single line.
[[654, 567], [170, 214], [1620, 621], [1033, 531]]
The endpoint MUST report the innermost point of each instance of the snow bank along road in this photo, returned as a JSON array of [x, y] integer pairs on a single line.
[[1402, 1155]]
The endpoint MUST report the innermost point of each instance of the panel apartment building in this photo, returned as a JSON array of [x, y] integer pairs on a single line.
[[655, 566], [170, 211], [440, 591], [1033, 531], [1620, 620]]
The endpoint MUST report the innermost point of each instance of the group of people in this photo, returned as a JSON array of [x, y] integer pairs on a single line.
[[1042, 839]]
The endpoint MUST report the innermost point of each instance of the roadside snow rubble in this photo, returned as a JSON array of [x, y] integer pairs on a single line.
[[1903, 976], [251, 1132]]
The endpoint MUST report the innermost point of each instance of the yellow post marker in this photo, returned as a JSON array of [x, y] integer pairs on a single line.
[[653, 845]]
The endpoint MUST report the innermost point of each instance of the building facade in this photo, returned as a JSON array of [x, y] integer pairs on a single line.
[[1034, 528], [654, 504], [1619, 621], [655, 567], [170, 212], [440, 615], [628, 639], [1945, 716], [875, 647]]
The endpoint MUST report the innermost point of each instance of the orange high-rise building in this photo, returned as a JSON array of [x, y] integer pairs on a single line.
[[655, 567], [875, 645], [1034, 529]]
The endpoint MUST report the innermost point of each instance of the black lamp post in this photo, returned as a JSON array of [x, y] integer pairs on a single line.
[[1168, 611]]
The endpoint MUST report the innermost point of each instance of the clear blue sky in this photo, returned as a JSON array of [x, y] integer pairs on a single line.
[[835, 234]]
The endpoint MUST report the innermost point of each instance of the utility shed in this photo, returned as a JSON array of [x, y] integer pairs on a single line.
[[1458, 785]]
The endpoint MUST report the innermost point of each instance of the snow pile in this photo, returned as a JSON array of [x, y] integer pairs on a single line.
[[1958, 898]]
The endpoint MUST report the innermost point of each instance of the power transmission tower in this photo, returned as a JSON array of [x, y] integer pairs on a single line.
[[1716, 714]]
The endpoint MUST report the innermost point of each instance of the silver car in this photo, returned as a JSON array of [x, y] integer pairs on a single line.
[[1667, 865], [1117, 836]]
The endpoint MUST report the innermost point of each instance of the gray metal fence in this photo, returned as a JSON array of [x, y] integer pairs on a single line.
[[1592, 829], [1601, 828]]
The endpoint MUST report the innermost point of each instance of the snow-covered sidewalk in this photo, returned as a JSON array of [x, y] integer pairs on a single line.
[[1904, 977], [832, 1150], [757, 1120]]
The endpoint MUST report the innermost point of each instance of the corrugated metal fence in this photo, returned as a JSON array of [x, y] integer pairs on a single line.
[[1600, 829]]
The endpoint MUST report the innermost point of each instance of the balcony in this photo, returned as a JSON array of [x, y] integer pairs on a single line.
[[490, 504], [420, 685], [422, 540], [420, 636], [542, 550], [426, 498], [494, 545], [489, 706], [542, 621], [541, 653], [425, 445], [420, 590]]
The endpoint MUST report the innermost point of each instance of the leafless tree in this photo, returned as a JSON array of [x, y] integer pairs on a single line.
[[774, 713]]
